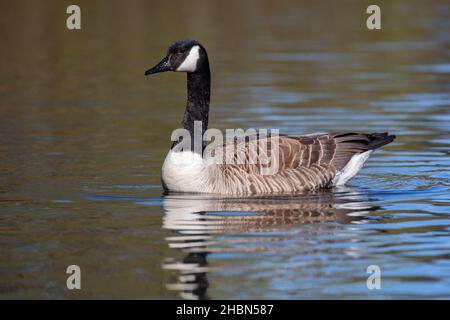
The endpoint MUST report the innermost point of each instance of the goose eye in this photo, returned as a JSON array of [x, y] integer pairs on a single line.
[[181, 51]]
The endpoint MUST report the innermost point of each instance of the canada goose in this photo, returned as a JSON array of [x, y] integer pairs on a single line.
[[305, 162]]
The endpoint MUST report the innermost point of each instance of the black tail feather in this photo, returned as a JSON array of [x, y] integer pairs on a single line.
[[350, 144], [379, 139]]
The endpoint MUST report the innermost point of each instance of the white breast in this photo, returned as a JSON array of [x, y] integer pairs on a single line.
[[183, 171], [351, 168]]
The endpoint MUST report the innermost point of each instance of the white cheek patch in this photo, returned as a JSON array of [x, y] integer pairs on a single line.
[[190, 63]]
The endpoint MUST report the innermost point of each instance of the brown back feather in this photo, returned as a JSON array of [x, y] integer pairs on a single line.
[[319, 149]]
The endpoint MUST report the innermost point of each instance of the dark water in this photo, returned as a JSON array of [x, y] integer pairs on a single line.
[[83, 135]]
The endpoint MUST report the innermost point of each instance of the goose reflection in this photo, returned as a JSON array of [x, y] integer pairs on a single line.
[[199, 221]]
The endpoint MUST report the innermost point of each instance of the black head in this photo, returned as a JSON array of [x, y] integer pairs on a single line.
[[182, 56]]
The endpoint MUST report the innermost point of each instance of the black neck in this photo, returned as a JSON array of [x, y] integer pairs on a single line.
[[197, 107], [198, 95]]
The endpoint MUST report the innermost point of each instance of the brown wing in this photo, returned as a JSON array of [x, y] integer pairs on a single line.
[[292, 163], [323, 149]]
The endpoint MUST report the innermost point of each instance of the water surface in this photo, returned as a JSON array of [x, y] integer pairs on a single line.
[[83, 135]]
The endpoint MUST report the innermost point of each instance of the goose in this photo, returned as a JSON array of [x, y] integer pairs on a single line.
[[302, 162]]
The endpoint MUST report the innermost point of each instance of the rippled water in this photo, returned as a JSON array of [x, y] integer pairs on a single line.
[[83, 135]]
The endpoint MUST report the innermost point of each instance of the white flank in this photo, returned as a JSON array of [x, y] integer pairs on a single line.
[[183, 171], [351, 168], [190, 63]]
